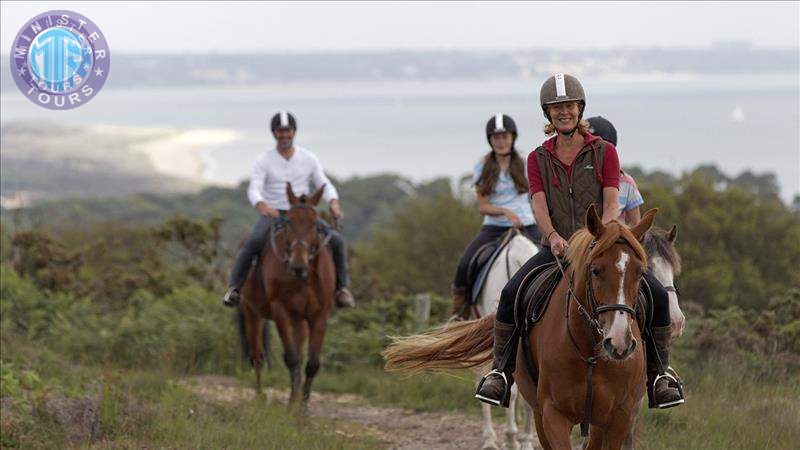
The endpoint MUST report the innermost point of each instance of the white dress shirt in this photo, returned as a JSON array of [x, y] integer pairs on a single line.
[[272, 171]]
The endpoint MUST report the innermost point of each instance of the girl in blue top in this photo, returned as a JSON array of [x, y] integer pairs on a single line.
[[502, 189]]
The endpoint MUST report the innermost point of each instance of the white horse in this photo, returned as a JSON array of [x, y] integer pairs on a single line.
[[665, 262], [516, 253]]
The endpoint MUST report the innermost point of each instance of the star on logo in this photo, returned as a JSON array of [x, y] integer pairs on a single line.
[[98, 72], [21, 70], [86, 67]]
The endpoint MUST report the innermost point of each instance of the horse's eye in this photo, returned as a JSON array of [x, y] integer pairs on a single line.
[[595, 271]]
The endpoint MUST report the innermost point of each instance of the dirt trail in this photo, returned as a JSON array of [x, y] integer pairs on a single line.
[[398, 428]]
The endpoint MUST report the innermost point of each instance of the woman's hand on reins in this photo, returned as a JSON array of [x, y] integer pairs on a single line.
[[558, 244]]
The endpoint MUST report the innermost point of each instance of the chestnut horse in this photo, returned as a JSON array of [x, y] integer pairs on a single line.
[[590, 323], [295, 288]]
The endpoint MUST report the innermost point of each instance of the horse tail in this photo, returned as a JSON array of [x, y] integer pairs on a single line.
[[456, 346]]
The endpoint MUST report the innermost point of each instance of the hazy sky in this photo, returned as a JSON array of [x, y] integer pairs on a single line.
[[138, 27]]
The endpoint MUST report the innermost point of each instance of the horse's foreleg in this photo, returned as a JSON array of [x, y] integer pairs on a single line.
[[539, 422], [556, 426], [254, 327], [290, 354], [316, 336], [298, 328], [511, 421], [630, 441], [620, 430]]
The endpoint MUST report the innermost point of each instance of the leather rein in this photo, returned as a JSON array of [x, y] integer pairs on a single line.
[[591, 320]]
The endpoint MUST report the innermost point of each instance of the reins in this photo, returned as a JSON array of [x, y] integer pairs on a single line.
[[591, 320]]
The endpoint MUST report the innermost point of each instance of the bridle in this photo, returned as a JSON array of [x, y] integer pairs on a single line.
[[591, 319], [284, 225], [591, 316]]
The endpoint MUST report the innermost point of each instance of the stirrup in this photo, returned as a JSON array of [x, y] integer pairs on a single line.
[[506, 395], [230, 300], [669, 374]]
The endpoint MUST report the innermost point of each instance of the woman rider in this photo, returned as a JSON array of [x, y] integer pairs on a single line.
[[567, 173], [501, 186], [630, 199]]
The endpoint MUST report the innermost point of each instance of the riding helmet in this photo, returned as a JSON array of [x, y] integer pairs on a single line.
[[283, 119], [560, 88], [501, 123], [600, 126]]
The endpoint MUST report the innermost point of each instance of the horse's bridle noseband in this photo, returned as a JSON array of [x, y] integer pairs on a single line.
[[591, 317], [285, 223]]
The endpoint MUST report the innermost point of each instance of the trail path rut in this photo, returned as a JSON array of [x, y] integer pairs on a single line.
[[398, 428]]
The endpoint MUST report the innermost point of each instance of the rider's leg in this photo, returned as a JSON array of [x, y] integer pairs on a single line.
[[494, 387], [487, 234], [339, 252], [663, 391], [244, 258]]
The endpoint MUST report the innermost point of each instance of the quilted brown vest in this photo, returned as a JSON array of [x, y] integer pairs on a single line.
[[568, 199]]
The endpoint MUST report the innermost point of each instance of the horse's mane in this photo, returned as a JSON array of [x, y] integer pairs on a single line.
[[579, 255], [656, 243]]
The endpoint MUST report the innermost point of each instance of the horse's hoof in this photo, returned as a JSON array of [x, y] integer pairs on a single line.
[[490, 446]]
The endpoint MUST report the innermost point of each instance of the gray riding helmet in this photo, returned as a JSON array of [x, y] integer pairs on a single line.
[[560, 88]]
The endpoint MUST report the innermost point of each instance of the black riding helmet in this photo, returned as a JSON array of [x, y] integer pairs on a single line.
[[283, 119], [501, 123], [600, 126]]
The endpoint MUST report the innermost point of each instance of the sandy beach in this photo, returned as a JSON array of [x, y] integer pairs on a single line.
[[171, 151]]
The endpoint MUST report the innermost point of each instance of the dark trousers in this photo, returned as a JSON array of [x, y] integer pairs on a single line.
[[259, 236], [488, 233], [505, 310]]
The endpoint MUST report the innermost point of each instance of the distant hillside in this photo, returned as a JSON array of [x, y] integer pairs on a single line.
[[46, 160], [366, 203], [247, 69]]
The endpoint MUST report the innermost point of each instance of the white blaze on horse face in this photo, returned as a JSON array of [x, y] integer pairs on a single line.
[[662, 270], [619, 327]]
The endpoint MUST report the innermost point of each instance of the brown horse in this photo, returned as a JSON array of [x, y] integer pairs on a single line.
[[295, 288], [598, 294]]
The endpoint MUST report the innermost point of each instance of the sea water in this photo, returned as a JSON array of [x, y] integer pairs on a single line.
[[425, 129]]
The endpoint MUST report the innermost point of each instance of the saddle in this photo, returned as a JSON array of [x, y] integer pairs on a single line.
[[533, 298], [533, 294], [481, 262]]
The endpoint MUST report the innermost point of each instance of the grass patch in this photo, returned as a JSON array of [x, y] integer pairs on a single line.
[[727, 408], [80, 406]]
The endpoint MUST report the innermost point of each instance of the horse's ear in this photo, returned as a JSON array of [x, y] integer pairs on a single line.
[[673, 233], [316, 196], [594, 223], [647, 221], [293, 200]]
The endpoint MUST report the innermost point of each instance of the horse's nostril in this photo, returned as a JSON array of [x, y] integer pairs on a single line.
[[608, 346]]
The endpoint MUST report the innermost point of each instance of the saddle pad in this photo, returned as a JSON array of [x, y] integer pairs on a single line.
[[534, 294]]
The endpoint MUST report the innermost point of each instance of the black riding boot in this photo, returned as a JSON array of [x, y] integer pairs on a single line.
[[495, 387], [664, 389]]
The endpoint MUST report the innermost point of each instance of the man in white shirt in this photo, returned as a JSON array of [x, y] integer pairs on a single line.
[[267, 193]]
